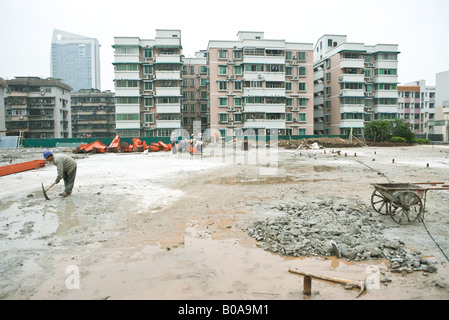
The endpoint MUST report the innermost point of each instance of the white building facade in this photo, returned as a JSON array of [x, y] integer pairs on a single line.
[[148, 81], [353, 83]]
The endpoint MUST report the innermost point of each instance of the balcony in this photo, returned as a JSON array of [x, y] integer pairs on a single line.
[[270, 108], [168, 58], [264, 92], [264, 76], [318, 75], [168, 108], [352, 63], [168, 124], [168, 91], [352, 93], [264, 124], [168, 75], [386, 94], [352, 78], [353, 123]]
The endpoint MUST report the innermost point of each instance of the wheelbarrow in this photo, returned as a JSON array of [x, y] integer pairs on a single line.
[[404, 202]]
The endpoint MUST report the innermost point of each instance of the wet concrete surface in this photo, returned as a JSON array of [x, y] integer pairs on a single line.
[[164, 226]]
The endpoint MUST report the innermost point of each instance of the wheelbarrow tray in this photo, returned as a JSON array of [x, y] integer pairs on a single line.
[[388, 190]]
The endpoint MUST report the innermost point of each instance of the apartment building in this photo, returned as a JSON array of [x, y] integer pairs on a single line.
[[353, 83], [3, 87], [195, 92], [441, 123], [75, 59], [93, 114], [38, 108], [148, 81], [260, 84], [416, 105]]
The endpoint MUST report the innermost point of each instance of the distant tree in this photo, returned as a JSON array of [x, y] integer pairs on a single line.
[[377, 130], [401, 129], [382, 130]]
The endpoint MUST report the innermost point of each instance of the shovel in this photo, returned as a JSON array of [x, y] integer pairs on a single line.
[[45, 191]]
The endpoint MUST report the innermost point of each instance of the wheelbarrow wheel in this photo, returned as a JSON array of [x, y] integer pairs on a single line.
[[379, 203], [406, 207]]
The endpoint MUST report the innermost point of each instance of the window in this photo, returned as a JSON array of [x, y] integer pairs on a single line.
[[288, 55], [127, 117], [127, 50], [237, 117], [222, 54], [127, 100], [168, 100], [149, 102], [385, 72], [237, 101], [254, 67], [222, 117], [238, 70], [302, 102], [222, 70], [127, 83], [222, 85], [288, 86], [238, 86], [302, 71], [148, 85], [328, 77], [238, 54], [148, 53], [223, 102], [148, 117], [302, 117], [301, 56], [203, 69], [302, 86], [126, 67]]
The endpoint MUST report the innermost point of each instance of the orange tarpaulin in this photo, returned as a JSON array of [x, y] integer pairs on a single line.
[[84, 148]]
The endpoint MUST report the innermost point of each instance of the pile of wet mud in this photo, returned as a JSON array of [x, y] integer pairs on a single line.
[[331, 228]]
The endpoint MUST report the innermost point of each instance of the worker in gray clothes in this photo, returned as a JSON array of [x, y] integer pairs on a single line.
[[66, 170]]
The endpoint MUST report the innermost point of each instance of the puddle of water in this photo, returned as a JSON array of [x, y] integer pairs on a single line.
[[262, 180]]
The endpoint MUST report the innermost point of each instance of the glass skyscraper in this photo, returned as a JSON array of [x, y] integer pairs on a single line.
[[75, 60]]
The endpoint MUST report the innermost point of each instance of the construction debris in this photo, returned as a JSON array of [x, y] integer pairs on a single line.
[[328, 228]]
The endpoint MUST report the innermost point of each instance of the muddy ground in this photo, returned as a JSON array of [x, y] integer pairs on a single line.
[[175, 226]]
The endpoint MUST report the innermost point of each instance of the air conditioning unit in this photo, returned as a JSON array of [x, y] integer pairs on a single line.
[[198, 75], [231, 120], [231, 77]]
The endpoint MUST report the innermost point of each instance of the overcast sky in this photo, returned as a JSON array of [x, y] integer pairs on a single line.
[[420, 28]]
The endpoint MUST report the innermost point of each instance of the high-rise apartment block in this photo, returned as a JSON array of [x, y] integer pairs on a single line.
[[354, 83], [195, 93], [38, 108], [75, 60], [148, 82], [260, 84]]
